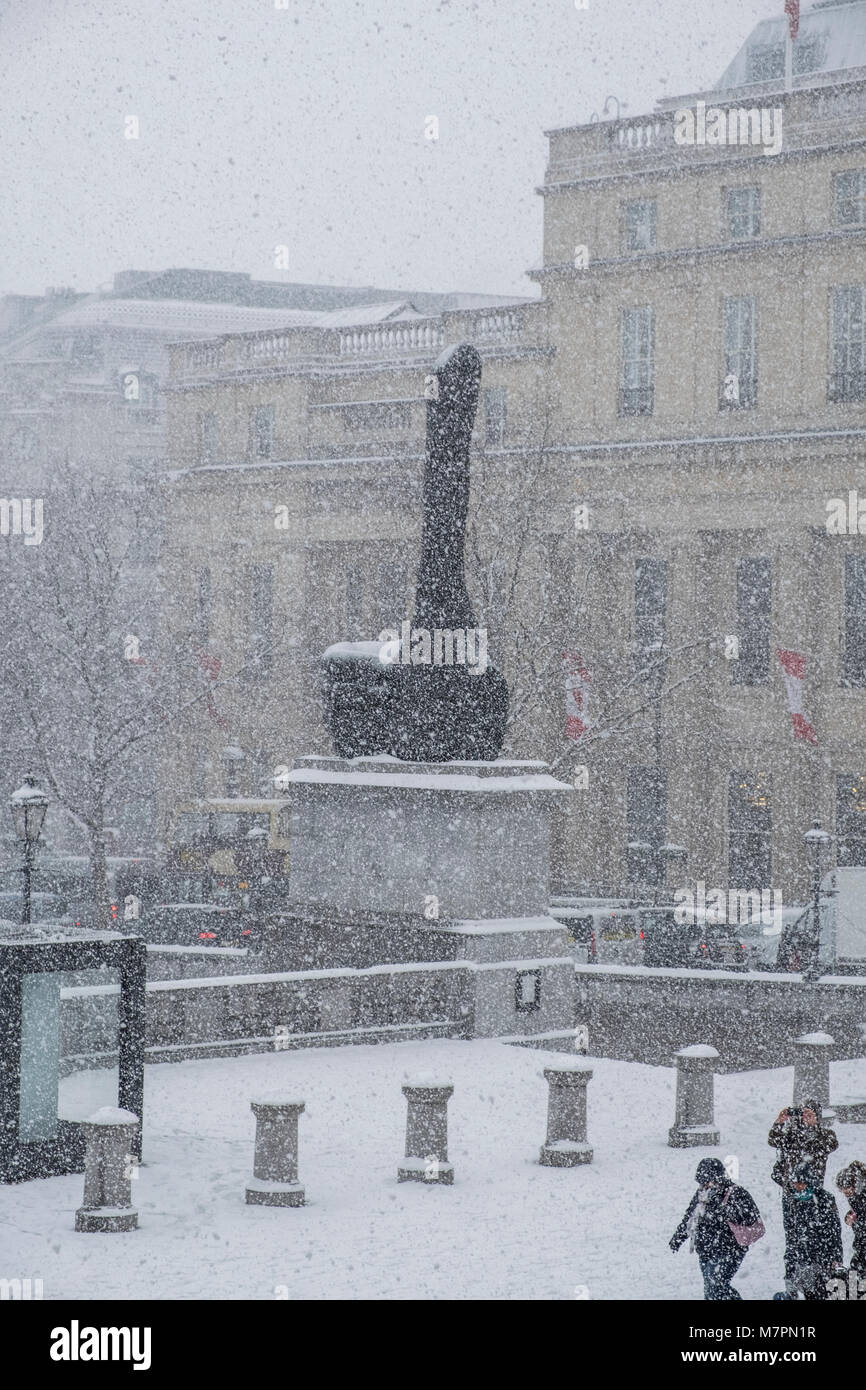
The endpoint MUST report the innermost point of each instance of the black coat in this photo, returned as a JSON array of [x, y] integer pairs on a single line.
[[714, 1237], [858, 1254], [797, 1141], [813, 1231]]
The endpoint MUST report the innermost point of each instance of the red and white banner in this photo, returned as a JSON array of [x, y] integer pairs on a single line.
[[577, 683], [212, 665], [794, 668], [792, 10]]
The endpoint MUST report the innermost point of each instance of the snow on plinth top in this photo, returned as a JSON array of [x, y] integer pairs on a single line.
[[112, 1115], [461, 776], [278, 1098], [428, 1081], [819, 1039], [570, 1064], [698, 1050]]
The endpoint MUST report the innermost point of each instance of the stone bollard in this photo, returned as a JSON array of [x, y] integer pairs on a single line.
[[275, 1167], [812, 1068], [427, 1133], [566, 1144], [694, 1124], [108, 1166]]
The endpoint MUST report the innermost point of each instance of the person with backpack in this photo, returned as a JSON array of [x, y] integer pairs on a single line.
[[799, 1135], [851, 1182], [721, 1222], [813, 1237]]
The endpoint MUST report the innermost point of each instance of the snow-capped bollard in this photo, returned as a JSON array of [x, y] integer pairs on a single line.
[[566, 1144], [108, 1167], [275, 1167], [427, 1133], [694, 1123], [812, 1068]]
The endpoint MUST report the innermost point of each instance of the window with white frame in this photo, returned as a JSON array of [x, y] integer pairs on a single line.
[[848, 344], [744, 213], [495, 407], [740, 352], [638, 347], [639, 225], [262, 431], [849, 198]]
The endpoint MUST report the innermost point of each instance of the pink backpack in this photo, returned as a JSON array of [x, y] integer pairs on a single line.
[[745, 1235]]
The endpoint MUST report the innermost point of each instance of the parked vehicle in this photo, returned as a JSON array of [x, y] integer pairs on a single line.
[[668, 943], [191, 924]]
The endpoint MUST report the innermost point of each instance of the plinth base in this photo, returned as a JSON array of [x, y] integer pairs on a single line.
[[695, 1137], [850, 1111], [422, 1170], [564, 1153], [91, 1219], [261, 1193]]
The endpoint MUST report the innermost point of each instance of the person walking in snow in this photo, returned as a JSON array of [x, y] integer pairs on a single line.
[[799, 1136], [813, 1237], [721, 1222], [851, 1182]]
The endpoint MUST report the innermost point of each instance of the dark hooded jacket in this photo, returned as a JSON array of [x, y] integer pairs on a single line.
[[713, 1236], [798, 1142], [857, 1203], [813, 1231]]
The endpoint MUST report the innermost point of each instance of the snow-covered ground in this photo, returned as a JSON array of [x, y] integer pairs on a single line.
[[507, 1229]]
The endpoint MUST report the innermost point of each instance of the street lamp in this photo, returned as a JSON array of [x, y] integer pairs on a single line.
[[28, 805], [817, 843]]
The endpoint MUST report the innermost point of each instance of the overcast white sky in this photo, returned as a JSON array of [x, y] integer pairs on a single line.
[[304, 127]]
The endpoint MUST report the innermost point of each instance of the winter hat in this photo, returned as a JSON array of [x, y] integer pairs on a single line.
[[853, 1176], [710, 1170]]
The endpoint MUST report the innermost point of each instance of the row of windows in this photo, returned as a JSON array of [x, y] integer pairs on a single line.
[[741, 212], [750, 825], [739, 384], [376, 415], [754, 591]]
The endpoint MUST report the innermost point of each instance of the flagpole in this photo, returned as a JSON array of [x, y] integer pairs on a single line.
[[789, 62]]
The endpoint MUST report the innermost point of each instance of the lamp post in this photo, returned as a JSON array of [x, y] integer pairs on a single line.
[[817, 843], [28, 805]]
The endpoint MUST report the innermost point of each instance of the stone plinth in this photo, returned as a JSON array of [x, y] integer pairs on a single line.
[[694, 1124], [461, 840], [566, 1145], [401, 862], [109, 1142], [427, 1133], [812, 1052], [275, 1167]]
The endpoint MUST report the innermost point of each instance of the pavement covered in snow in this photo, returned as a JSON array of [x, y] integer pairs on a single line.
[[507, 1229]]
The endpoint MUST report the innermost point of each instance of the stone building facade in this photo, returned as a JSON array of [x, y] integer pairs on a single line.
[[673, 415]]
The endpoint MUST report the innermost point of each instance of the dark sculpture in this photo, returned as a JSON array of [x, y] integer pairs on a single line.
[[429, 695]]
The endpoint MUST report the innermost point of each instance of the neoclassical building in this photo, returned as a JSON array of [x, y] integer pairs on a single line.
[[659, 439]]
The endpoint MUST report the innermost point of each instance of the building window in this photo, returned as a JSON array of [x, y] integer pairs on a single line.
[[765, 62], [754, 607], [233, 760], [494, 416], [371, 416], [851, 820], [208, 436], [739, 332], [850, 198], [638, 346], [202, 609], [527, 992], [646, 823], [854, 656], [258, 633], [650, 604], [639, 225], [750, 828], [262, 431], [848, 372], [744, 213]]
